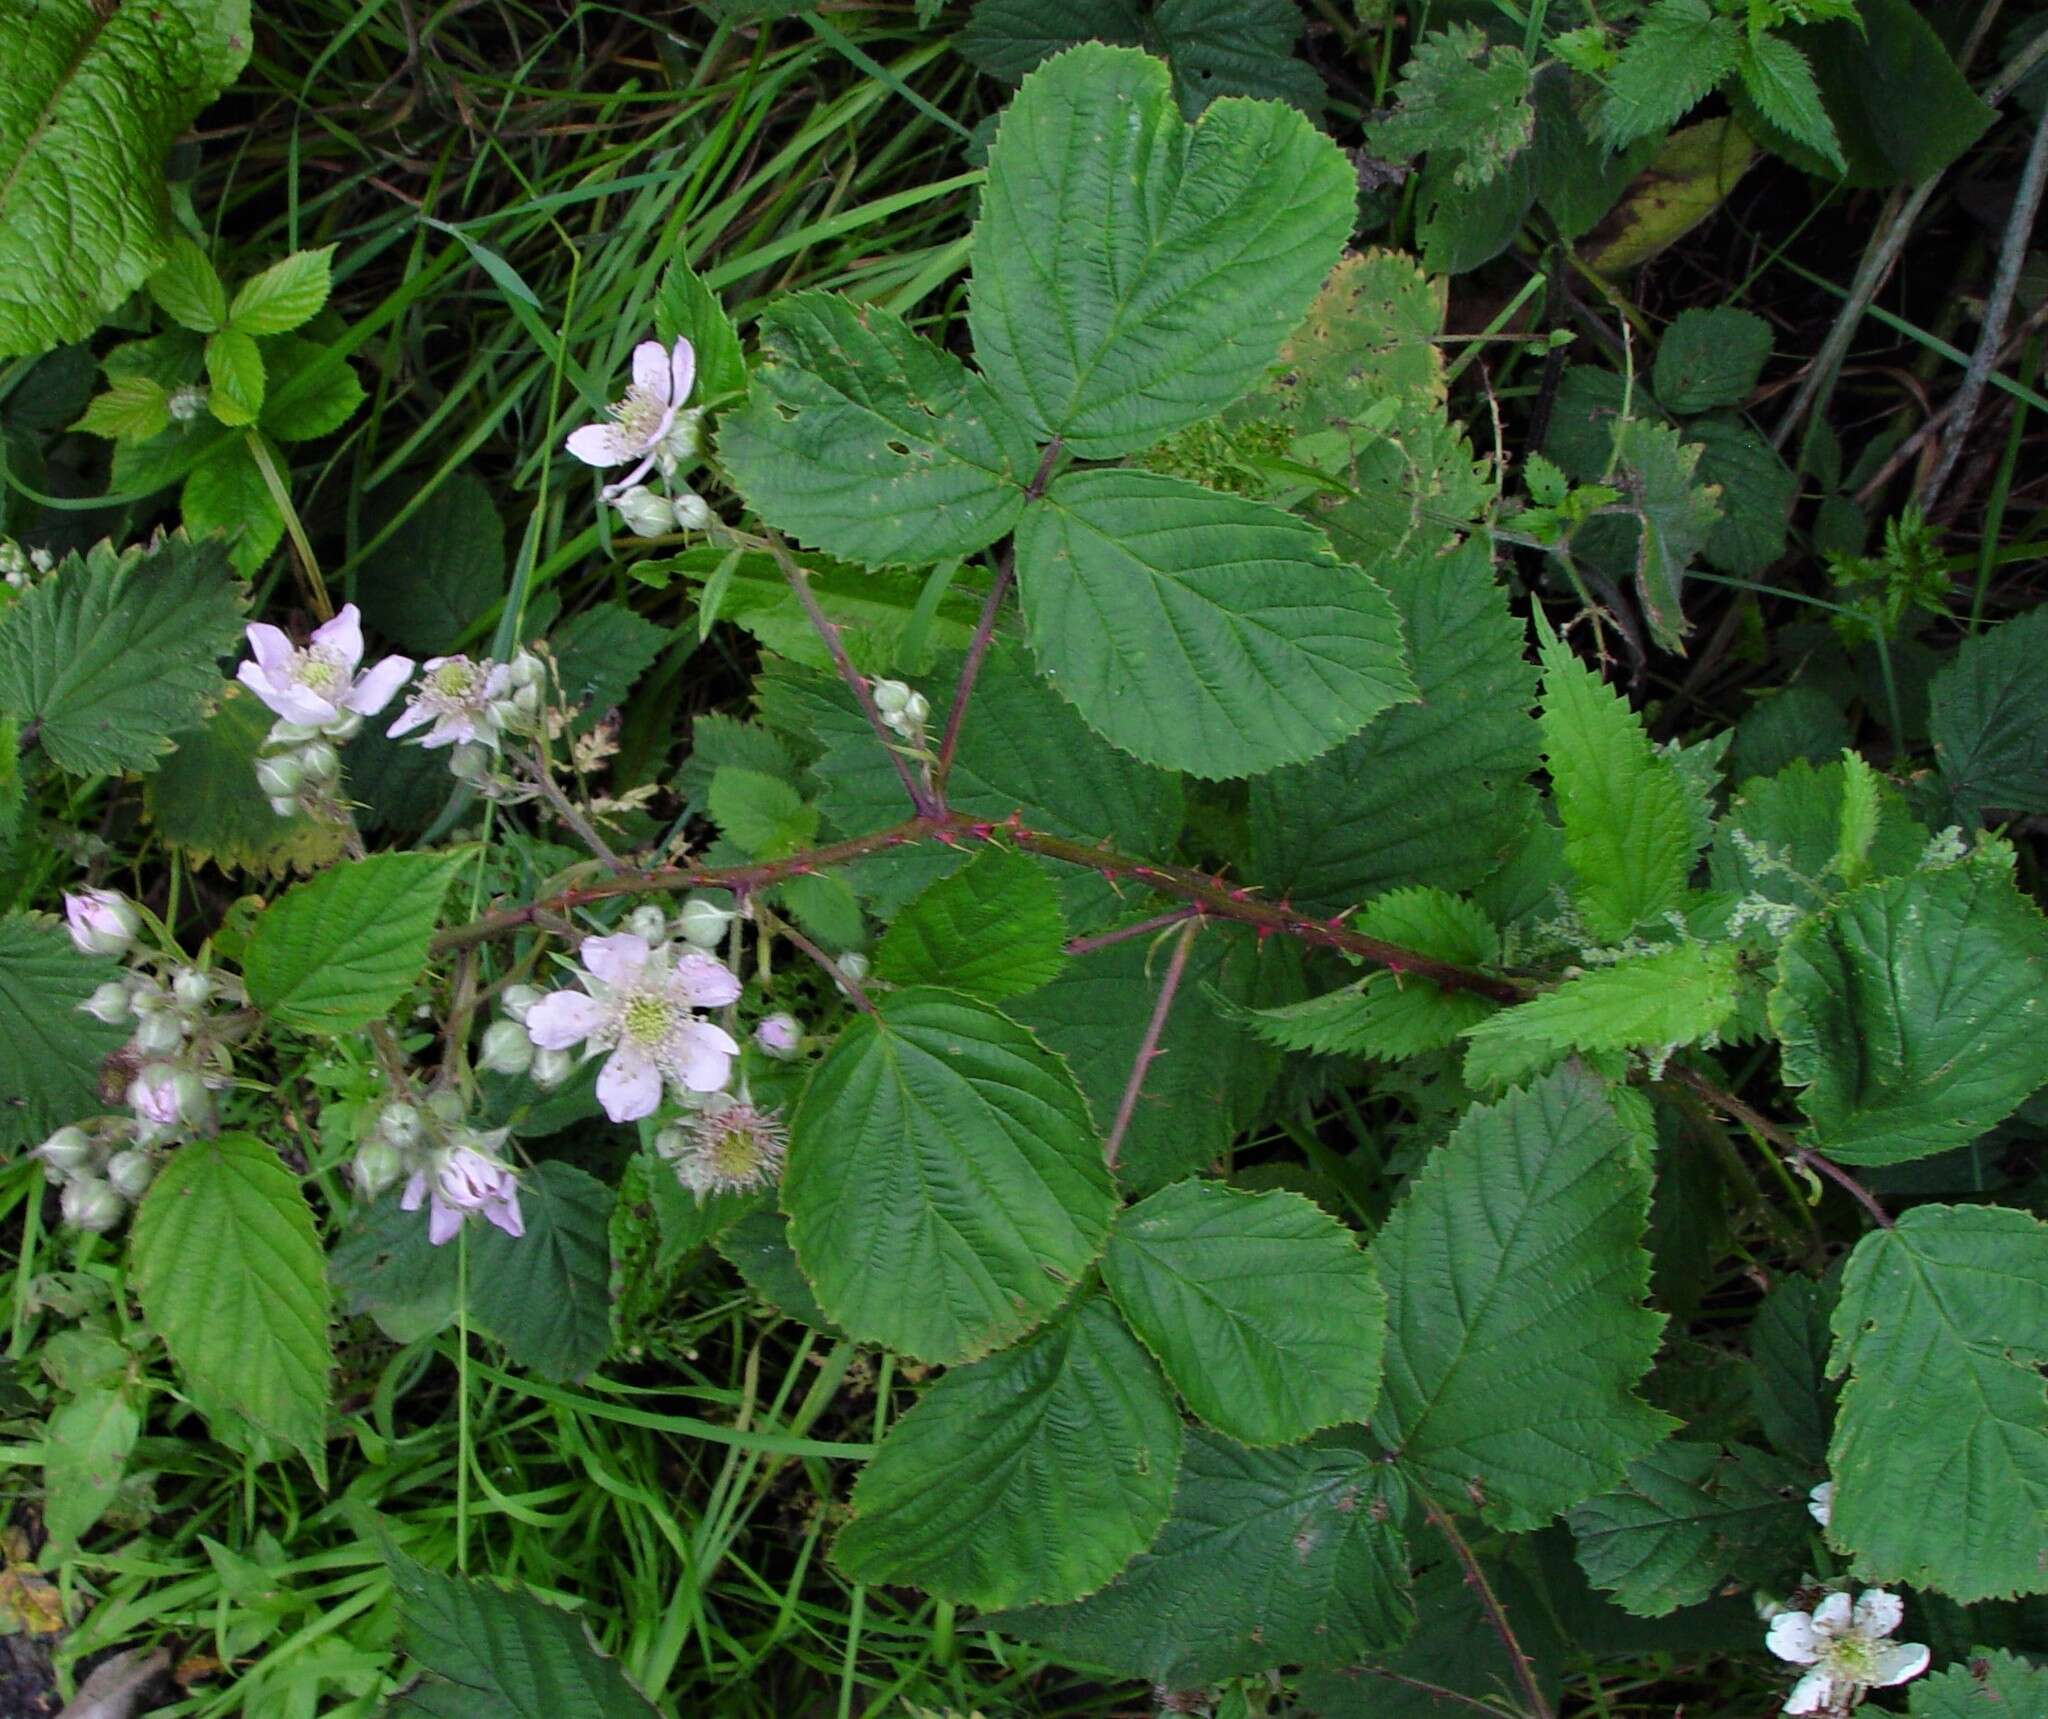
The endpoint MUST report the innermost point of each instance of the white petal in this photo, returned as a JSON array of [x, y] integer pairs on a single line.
[[379, 686], [1899, 1660], [1831, 1616], [1811, 1693], [295, 703], [701, 1057], [343, 635], [269, 645], [1790, 1635], [1820, 1502], [616, 960], [562, 1019], [682, 371], [1879, 1613], [408, 719], [599, 445], [705, 981], [651, 372], [415, 1192], [628, 1086]]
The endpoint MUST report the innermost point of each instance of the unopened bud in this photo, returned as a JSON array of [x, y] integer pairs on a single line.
[[703, 923], [66, 1150], [344, 727], [377, 1165], [692, 511], [192, 988], [101, 922], [685, 436], [645, 513], [469, 762], [506, 1048], [649, 924], [916, 712], [159, 1035], [399, 1124], [779, 1036], [89, 1204], [319, 761], [193, 1099], [279, 777], [551, 1067], [517, 999], [154, 1094], [447, 1105], [526, 669], [671, 1143], [283, 807], [283, 733], [891, 696], [854, 966], [109, 1003], [130, 1173]]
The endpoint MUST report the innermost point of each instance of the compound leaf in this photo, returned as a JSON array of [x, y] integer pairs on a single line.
[[1463, 98]]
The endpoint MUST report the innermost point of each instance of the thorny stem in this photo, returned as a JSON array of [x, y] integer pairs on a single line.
[[1761, 1125], [1125, 933], [1148, 1046], [564, 808], [1475, 1579]]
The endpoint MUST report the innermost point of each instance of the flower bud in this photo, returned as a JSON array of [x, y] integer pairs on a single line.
[[146, 997], [551, 1067], [648, 923], [284, 808], [703, 922], [66, 1150], [154, 1094], [469, 762], [400, 1124], [130, 1173], [319, 761], [854, 965], [101, 922], [671, 1143], [279, 777], [376, 1166], [284, 733], [159, 1034], [89, 1204], [685, 436], [109, 1003], [186, 403], [193, 1100], [447, 1105], [916, 712], [891, 696], [779, 1036], [344, 727], [515, 1000], [647, 514], [506, 1048], [193, 988], [525, 670], [692, 511]]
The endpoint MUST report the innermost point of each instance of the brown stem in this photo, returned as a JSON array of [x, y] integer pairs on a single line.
[[1124, 933], [1754, 1120], [1475, 1579], [1148, 1046], [566, 809], [831, 968]]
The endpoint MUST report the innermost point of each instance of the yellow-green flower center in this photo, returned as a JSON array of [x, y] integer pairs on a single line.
[[315, 672], [454, 679], [647, 1020], [1852, 1658], [639, 414], [734, 1154]]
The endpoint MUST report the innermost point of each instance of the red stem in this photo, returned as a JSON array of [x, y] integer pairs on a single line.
[[1148, 1046]]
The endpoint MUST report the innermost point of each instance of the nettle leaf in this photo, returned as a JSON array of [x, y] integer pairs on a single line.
[[50, 1049], [546, 1295], [69, 649], [1788, 1348], [336, 952], [233, 1278], [940, 1145], [1627, 836], [1688, 1517], [1988, 719], [993, 930], [1516, 1332], [1674, 517], [1782, 836], [1464, 99], [1034, 1475], [1271, 1557], [1940, 1453], [1912, 1011], [1654, 1002], [865, 440], [1710, 358], [502, 1652], [93, 98], [1779, 79], [1262, 1309], [1999, 1682], [1679, 52], [1201, 631], [1112, 301]]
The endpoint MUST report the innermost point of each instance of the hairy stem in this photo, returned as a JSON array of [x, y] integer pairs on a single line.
[[1125, 933], [566, 809], [1475, 1579], [1148, 1046]]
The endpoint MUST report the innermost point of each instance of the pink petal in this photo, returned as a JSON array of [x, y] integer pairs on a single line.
[[269, 645], [377, 688], [343, 635], [628, 1086], [293, 703], [682, 371], [615, 960], [599, 445], [442, 1222], [651, 372], [408, 719], [1831, 1616], [562, 1019], [415, 1192], [506, 1215], [703, 1055], [704, 980]]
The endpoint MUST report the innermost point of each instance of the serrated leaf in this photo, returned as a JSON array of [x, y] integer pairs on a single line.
[[70, 646], [1110, 304], [1912, 1011], [1653, 1002], [187, 290], [313, 390], [1674, 517], [865, 440], [939, 1144], [1463, 99], [50, 1049], [1778, 78], [439, 572], [290, 292], [599, 654], [1940, 1453], [132, 409], [1511, 1380], [89, 1440], [546, 1295], [1757, 492], [1271, 1557], [1689, 1516], [1988, 719], [336, 952], [384, 1265], [501, 1653], [1262, 1309], [1678, 53], [763, 815], [225, 492], [1904, 108], [686, 309], [1033, 1475], [234, 374], [1627, 836], [757, 1247], [1998, 1683], [1780, 838], [992, 929], [231, 1274], [1788, 1348], [1201, 631], [94, 96], [1710, 358]]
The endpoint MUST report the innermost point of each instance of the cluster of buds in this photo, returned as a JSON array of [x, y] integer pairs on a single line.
[[19, 566], [904, 712], [101, 1170], [453, 1169], [320, 695], [472, 706]]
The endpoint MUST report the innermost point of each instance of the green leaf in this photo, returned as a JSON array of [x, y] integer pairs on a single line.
[[1626, 832], [1940, 1453], [763, 815], [865, 440], [1779, 79], [187, 290], [70, 646], [599, 654], [1912, 1011], [1433, 791], [88, 1442], [1688, 1517], [50, 1049], [287, 294], [234, 371], [1788, 1346], [1201, 631], [1757, 492], [384, 1265], [336, 952], [1261, 1308], [1510, 1381], [1112, 300], [1989, 720], [1781, 837], [497, 1653], [232, 1277], [1654, 1002], [93, 98], [1465, 100], [757, 1247], [1710, 358], [1903, 109], [546, 1295], [225, 492], [438, 573], [992, 930], [1679, 52], [133, 409], [1999, 1682], [1271, 1557], [313, 389], [686, 309], [1674, 516], [940, 1145], [1034, 1475]]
